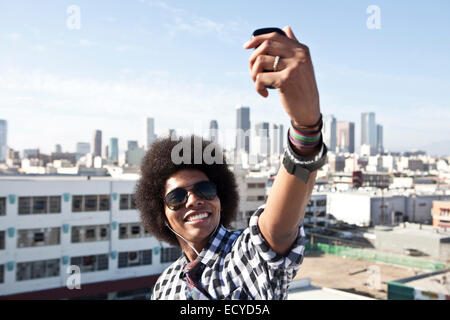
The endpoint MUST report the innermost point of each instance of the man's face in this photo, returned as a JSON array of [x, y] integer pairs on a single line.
[[198, 218]]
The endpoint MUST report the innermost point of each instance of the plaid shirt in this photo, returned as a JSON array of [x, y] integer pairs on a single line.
[[236, 265]]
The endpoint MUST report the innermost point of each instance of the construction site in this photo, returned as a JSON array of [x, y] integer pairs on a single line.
[[348, 258]]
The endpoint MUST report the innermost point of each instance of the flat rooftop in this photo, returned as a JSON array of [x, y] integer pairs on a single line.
[[439, 283], [303, 290], [415, 229], [59, 178]]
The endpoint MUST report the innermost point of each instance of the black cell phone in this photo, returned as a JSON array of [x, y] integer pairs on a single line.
[[261, 31]]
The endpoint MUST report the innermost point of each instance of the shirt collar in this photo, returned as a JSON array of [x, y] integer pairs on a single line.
[[212, 249]]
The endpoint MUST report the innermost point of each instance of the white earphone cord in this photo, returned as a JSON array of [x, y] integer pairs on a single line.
[[192, 247]]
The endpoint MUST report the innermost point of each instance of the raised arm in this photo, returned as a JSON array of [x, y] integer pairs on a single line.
[[295, 80]]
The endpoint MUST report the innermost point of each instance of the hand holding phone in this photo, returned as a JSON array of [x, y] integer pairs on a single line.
[[280, 61], [261, 31]]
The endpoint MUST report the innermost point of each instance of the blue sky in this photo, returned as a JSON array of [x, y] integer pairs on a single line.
[[182, 63]]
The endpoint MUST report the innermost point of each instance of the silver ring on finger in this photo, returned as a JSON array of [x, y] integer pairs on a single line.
[[275, 63]]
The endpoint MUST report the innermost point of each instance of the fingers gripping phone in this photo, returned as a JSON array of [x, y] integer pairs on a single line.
[[264, 31]]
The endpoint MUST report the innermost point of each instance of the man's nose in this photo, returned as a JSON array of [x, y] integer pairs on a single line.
[[193, 200]]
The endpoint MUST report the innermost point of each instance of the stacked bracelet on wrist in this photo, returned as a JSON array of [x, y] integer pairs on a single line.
[[306, 137]]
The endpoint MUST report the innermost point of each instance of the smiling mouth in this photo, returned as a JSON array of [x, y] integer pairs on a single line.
[[198, 217]]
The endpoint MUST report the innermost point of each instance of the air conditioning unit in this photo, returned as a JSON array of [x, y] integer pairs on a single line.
[[133, 257]]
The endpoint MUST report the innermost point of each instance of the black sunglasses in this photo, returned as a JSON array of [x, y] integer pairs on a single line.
[[178, 197]]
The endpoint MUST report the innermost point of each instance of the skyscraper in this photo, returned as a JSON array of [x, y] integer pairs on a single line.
[[261, 141], [114, 149], [213, 131], [3, 139], [96, 146], [345, 136], [281, 141], [369, 131], [149, 132], [276, 138], [132, 144], [380, 147], [243, 129], [329, 132]]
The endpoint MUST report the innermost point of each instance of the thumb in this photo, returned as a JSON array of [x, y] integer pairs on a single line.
[[289, 33]]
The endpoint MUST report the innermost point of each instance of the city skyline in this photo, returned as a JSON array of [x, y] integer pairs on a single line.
[[128, 62], [336, 132]]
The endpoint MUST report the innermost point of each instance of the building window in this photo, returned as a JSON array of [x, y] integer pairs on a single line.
[[135, 258], [2, 206], [55, 204], [77, 203], [37, 269], [104, 202], [124, 202], [2, 273], [132, 230], [132, 202], [24, 205], [321, 203], [38, 237], [123, 232], [170, 254], [321, 214], [91, 263], [103, 232], [75, 235], [135, 230], [90, 233], [127, 202], [40, 205], [91, 203], [2, 240]]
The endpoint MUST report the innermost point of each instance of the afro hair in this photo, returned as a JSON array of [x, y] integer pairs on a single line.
[[158, 165]]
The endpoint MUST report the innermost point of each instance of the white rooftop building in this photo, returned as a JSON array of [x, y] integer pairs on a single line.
[[49, 224]]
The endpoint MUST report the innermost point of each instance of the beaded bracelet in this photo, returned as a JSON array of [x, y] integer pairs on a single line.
[[304, 141]]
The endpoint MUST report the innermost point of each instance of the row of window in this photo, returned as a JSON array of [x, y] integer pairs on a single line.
[[309, 214], [80, 203], [52, 236], [256, 185], [92, 202], [256, 198], [319, 203], [51, 268], [39, 205]]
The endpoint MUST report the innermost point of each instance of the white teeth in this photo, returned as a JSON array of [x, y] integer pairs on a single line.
[[198, 216]]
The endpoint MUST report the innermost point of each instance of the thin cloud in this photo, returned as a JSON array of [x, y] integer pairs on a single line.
[[13, 36], [183, 21]]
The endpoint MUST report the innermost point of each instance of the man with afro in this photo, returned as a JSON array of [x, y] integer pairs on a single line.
[[191, 204]]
